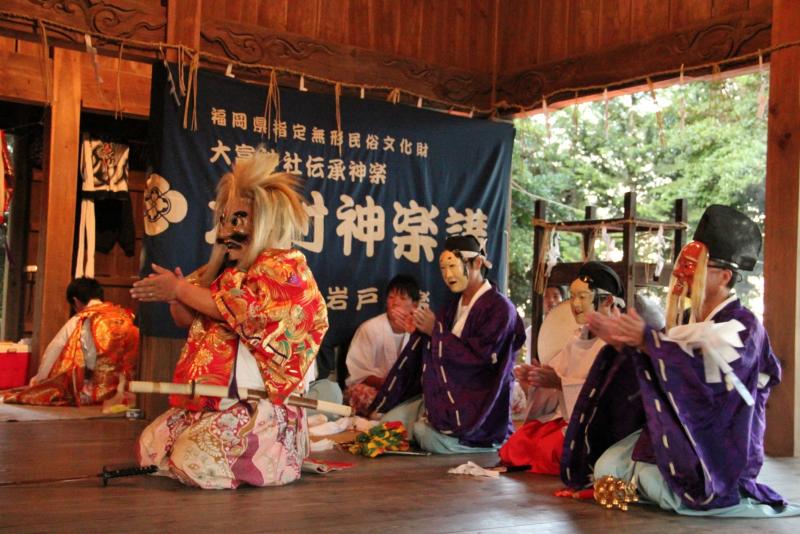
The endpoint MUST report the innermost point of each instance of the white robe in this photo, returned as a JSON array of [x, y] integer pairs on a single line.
[[572, 364], [59, 341], [373, 350]]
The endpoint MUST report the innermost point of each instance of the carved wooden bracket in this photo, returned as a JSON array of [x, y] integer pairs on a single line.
[[722, 39], [142, 20], [346, 64]]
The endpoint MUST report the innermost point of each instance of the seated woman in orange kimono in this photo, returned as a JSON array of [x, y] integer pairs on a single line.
[[85, 360]]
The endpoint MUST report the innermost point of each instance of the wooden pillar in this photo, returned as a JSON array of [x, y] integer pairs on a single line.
[[589, 214], [781, 296], [537, 299], [17, 241], [629, 249], [680, 215], [159, 355], [54, 257]]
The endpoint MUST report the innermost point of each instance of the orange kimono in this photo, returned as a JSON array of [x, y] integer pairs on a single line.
[[275, 309], [116, 340], [277, 312]]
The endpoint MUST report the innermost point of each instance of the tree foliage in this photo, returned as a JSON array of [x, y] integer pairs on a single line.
[[710, 148]]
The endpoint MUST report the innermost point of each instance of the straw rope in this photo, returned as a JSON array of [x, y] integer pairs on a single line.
[[507, 107]]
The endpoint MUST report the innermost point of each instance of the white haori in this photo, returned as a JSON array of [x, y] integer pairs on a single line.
[[374, 349]]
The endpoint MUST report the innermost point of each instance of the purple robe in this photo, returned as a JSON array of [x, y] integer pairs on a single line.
[[707, 442], [466, 381]]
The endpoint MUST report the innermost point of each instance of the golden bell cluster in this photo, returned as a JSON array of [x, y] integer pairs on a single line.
[[612, 492]]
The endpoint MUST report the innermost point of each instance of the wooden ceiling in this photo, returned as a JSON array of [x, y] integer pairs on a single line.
[[486, 54]]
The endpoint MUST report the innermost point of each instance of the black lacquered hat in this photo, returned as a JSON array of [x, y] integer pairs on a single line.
[[733, 240], [467, 246], [601, 276]]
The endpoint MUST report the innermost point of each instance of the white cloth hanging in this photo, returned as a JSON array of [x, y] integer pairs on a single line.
[[104, 167]]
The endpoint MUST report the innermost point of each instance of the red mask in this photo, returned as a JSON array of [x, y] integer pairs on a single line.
[[687, 266]]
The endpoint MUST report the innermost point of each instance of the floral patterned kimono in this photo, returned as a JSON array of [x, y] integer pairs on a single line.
[[116, 340], [277, 313]]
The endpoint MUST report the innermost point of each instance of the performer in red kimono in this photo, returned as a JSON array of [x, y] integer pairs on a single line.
[[679, 416], [86, 359], [538, 443], [462, 358], [257, 319]]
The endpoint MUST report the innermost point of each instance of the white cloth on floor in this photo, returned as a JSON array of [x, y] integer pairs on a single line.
[[473, 469], [322, 445], [340, 425], [331, 427], [317, 419]]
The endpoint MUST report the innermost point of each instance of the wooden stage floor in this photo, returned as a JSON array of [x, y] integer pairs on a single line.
[[387, 494]]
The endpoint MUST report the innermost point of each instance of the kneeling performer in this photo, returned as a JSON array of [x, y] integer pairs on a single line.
[[257, 319], [539, 441]]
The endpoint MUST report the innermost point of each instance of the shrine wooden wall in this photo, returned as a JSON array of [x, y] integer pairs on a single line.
[[553, 46], [454, 33], [466, 53], [542, 31]]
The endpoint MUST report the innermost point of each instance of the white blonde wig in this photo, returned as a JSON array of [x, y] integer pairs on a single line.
[[278, 213]]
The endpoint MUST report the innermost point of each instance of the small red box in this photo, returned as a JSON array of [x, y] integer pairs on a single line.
[[14, 360]]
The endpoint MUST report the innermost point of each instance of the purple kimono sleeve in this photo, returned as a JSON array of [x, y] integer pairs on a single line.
[[404, 379], [467, 378], [707, 441], [607, 410]]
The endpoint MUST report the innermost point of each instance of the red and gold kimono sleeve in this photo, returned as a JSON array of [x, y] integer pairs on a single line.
[[277, 310], [117, 342]]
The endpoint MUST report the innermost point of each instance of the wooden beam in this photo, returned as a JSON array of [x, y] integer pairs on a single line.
[[54, 258], [249, 43], [713, 40], [781, 267], [537, 299], [629, 249], [134, 86], [140, 20], [184, 18], [22, 78]]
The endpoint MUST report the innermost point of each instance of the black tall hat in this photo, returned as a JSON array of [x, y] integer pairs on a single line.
[[601, 276], [733, 240]]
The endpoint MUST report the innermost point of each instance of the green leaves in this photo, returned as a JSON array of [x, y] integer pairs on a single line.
[[718, 156]]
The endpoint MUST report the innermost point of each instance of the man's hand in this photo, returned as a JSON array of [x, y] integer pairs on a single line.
[[521, 373], [538, 375], [630, 330], [160, 286], [619, 329], [424, 319]]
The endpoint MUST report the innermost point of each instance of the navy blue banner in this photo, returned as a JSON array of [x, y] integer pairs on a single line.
[[404, 180]]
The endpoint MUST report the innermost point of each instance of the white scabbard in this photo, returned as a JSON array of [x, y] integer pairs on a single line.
[[208, 390]]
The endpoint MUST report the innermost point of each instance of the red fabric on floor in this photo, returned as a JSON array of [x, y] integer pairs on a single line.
[[536, 444]]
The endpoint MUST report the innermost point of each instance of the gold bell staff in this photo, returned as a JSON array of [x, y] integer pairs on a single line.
[[208, 390]]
